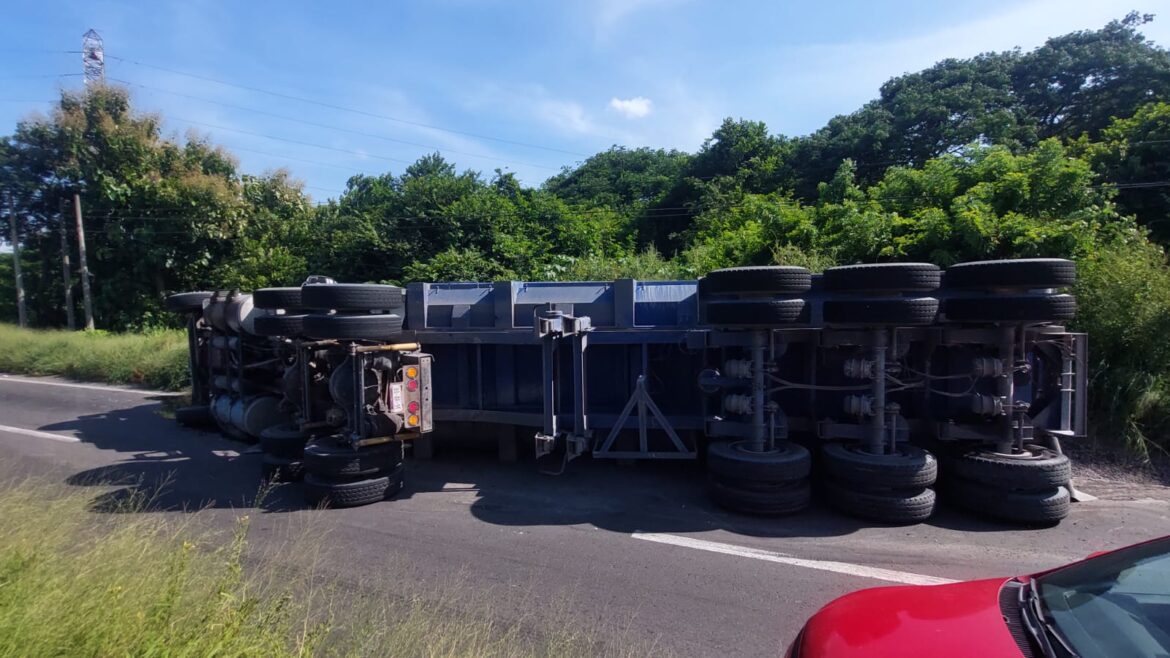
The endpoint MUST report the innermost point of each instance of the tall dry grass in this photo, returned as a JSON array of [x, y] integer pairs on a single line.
[[138, 583]]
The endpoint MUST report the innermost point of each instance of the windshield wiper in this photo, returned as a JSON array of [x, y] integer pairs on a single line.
[[1038, 626]]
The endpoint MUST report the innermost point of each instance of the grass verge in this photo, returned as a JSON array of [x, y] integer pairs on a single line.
[[74, 582], [157, 359]]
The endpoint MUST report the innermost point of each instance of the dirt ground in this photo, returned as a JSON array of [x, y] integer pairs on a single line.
[[1111, 475]]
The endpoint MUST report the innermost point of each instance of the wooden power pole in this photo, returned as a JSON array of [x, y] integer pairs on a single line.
[[66, 274], [86, 300], [21, 313]]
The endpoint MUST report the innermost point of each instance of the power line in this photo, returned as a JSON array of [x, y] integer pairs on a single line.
[[648, 213], [666, 212], [291, 141], [330, 127], [30, 76], [353, 170], [39, 51], [343, 108], [1134, 186]]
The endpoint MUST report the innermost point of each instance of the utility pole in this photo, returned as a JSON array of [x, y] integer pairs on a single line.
[[21, 313], [66, 274], [87, 301], [93, 58]]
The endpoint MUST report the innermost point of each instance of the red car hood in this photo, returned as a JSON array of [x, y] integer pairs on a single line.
[[955, 621]]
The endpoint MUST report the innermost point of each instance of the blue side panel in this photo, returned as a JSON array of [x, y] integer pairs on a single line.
[[593, 299], [666, 303], [624, 303], [488, 364]]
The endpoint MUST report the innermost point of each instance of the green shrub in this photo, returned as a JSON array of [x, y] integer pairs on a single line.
[[792, 255], [157, 359], [647, 265], [1123, 301]]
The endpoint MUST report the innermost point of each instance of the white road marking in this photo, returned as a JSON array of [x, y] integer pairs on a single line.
[[92, 387], [64, 438], [1081, 496], [858, 570]]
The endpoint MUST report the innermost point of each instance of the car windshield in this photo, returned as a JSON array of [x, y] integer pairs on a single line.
[[1114, 605]]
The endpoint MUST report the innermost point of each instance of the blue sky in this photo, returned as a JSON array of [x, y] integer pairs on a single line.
[[569, 76]]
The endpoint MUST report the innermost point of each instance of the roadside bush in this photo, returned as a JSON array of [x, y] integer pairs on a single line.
[[456, 265], [157, 359], [811, 260], [1123, 301], [648, 265]]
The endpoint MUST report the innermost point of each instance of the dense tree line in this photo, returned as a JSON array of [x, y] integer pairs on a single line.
[[1060, 151]]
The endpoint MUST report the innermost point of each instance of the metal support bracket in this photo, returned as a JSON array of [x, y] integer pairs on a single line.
[[552, 327], [304, 355], [644, 403]]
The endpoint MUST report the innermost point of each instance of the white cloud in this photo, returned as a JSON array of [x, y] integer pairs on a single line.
[[631, 108], [563, 115], [568, 116], [609, 14]]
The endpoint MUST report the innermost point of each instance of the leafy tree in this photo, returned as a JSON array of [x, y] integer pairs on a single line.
[[1134, 154], [740, 157], [456, 265], [1071, 85], [1078, 82], [621, 178], [138, 193]]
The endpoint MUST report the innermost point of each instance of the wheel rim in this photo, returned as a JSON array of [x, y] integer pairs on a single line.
[[1033, 453]]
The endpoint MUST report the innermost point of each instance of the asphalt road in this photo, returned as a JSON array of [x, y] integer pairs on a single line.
[[636, 549]]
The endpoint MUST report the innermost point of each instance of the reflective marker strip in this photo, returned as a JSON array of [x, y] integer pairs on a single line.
[[861, 571]]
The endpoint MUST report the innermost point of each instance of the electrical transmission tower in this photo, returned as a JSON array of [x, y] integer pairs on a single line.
[[93, 58]]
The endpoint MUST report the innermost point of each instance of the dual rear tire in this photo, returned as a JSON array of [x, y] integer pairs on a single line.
[[770, 482], [336, 311], [338, 475], [755, 297], [1030, 486], [1010, 291], [892, 488]]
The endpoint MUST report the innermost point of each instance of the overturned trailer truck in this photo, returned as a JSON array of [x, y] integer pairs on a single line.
[[874, 374]]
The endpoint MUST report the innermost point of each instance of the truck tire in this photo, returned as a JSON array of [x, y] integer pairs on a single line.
[[286, 441], [756, 312], [790, 497], [328, 459], [1036, 469], [901, 311], [731, 460], [358, 326], [279, 325], [1011, 308], [354, 297], [187, 302], [894, 506], [883, 277], [281, 469], [766, 280], [1029, 507], [1022, 273], [277, 298], [327, 492], [198, 415], [909, 467]]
